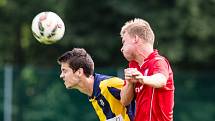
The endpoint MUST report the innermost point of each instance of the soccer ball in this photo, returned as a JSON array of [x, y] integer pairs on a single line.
[[47, 27]]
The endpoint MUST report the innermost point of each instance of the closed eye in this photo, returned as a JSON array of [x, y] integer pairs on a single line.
[[63, 70]]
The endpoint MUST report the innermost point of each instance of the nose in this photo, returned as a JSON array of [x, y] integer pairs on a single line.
[[122, 49], [61, 75]]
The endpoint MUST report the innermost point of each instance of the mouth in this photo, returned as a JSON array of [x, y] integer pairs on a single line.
[[66, 85], [64, 82]]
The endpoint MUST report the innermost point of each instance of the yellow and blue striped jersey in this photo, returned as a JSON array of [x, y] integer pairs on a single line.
[[106, 99]]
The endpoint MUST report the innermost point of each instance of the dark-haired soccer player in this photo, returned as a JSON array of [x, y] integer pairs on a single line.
[[77, 71]]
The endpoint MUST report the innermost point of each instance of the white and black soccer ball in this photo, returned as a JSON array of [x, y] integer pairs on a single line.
[[48, 27]]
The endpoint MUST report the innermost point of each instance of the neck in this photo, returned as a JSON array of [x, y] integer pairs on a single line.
[[142, 53], [86, 86]]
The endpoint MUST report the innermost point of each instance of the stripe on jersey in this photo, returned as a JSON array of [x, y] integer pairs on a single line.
[[98, 110], [115, 104], [104, 105], [115, 92], [106, 98]]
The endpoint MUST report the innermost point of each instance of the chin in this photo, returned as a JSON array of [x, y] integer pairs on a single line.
[[128, 58], [68, 86]]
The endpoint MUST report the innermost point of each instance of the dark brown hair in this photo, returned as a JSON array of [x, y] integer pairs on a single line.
[[78, 58]]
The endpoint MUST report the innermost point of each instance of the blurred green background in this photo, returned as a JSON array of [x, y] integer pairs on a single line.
[[184, 31]]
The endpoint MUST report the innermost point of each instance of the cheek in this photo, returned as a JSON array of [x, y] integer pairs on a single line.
[[71, 78], [127, 48], [69, 81], [68, 76]]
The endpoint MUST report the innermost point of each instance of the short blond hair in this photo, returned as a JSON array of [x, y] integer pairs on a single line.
[[138, 27]]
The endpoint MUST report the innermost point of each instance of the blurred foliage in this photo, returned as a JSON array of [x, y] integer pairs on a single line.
[[2, 2], [41, 96], [184, 33], [193, 99], [183, 29], [44, 97]]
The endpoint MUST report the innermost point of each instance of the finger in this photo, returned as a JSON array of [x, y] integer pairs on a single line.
[[128, 77], [138, 77], [128, 74]]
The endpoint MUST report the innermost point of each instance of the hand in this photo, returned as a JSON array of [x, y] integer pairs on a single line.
[[128, 76], [133, 75]]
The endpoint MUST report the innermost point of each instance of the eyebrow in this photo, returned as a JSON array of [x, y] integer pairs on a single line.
[[62, 69]]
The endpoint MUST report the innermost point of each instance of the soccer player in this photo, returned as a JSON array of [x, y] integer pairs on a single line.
[[149, 78], [77, 71]]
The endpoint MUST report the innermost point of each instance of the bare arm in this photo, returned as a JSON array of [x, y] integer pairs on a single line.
[[127, 93], [157, 80]]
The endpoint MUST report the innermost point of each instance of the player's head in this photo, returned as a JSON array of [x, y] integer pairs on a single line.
[[73, 63], [136, 34], [140, 28]]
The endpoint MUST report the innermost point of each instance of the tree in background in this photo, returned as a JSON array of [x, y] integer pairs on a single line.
[[183, 28]]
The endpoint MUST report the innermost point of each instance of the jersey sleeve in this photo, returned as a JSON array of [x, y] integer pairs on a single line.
[[161, 66], [115, 83], [113, 86]]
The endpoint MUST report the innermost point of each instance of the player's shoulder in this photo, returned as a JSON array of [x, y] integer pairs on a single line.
[[114, 82], [158, 58]]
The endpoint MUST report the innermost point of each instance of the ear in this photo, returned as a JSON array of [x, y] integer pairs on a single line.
[[136, 39], [80, 72]]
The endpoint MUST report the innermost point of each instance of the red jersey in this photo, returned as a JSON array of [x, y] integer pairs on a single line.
[[154, 104]]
